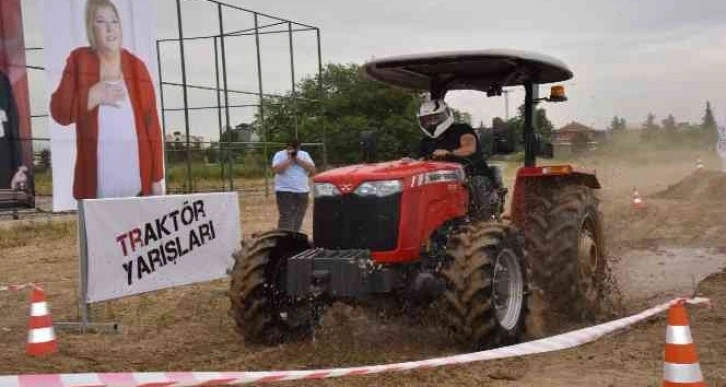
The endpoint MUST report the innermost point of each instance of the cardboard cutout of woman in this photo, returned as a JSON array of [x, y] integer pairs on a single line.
[[108, 93]]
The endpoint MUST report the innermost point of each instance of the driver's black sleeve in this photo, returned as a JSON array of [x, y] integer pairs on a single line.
[[426, 148]]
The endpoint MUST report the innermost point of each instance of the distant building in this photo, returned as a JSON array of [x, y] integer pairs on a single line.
[[179, 139], [245, 133], [576, 137]]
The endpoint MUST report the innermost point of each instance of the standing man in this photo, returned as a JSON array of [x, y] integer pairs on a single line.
[[292, 167]]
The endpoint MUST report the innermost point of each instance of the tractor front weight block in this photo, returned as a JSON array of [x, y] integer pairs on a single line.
[[337, 274]]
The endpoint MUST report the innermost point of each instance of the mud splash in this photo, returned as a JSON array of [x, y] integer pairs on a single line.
[[653, 275]]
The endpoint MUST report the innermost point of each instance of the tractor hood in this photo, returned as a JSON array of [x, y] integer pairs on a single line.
[[349, 177]]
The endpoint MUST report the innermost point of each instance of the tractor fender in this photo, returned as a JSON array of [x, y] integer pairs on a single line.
[[581, 178], [563, 174], [541, 178]]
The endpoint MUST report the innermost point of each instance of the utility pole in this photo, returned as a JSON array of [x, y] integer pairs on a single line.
[[506, 103]]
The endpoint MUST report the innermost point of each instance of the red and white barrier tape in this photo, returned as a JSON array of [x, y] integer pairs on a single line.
[[188, 379], [16, 287]]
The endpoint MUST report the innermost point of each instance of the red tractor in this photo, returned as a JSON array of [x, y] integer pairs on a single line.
[[401, 229]]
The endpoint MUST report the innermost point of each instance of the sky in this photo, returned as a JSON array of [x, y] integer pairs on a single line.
[[630, 58]]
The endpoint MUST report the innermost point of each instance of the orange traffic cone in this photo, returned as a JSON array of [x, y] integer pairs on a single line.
[[680, 367], [638, 203], [41, 334]]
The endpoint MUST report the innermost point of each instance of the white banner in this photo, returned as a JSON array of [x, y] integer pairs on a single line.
[[138, 245]]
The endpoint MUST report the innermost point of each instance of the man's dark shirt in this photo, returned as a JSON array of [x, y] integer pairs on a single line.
[[10, 158], [475, 164]]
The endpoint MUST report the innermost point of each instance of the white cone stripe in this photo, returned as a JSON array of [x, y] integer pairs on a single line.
[[682, 373], [38, 309], [677, 334], [41, 335]]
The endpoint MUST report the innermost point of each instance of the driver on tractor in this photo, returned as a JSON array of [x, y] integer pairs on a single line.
[[446, 140]]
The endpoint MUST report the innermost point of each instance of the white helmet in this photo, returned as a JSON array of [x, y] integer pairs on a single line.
[[435, 117]]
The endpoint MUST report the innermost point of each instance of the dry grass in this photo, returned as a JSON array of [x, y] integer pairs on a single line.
[[24, 233]]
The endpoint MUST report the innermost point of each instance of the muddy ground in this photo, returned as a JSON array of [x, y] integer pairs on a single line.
[[675, 246]]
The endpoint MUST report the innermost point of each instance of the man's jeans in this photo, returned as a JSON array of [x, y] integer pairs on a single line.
[[291, 207]]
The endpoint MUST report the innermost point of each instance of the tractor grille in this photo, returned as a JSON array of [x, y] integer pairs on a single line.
[[354, 222]]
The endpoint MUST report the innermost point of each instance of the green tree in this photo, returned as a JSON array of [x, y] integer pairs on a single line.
[[462, 116], [670, 126], [709, 128], [338, 112], [617, 124], [542, 125], [348, 106], [650, 122], [650, 127]]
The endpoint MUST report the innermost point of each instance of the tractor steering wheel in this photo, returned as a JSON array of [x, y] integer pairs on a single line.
[[449, 158]]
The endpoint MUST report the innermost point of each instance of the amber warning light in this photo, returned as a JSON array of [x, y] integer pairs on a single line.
[[557, 94]]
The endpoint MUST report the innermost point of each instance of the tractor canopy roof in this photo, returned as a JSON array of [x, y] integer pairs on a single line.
[[482, 70]]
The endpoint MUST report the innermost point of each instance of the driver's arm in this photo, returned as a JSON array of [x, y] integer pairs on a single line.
[[467, 146]]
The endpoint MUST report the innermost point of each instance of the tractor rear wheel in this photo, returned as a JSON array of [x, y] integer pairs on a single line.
[[263, 313], [576, 258], [486, 294]]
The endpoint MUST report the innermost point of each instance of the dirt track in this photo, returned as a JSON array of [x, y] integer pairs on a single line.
[[658, 252]]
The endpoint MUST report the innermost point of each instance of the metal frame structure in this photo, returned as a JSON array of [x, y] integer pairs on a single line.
[[219, 40], [221, 86]]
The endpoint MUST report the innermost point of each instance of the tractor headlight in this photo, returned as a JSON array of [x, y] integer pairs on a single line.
[[379, 188], [325, 190]]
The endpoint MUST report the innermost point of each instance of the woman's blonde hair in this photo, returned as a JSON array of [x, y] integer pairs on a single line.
[[91, 7]]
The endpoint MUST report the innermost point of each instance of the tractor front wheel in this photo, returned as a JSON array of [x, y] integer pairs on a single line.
[[486, 294], [263, 313]]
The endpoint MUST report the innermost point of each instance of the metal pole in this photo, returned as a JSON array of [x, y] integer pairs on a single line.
[[161, 100], [85, 308], [186, 98], [322, 101], [506, 104], [226, 92], [161, 87], [262, 106], [219, 112], [530, 158], [257, 13], [292, 75]]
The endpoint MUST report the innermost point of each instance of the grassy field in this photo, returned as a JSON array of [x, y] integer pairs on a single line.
[[205, 178]]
